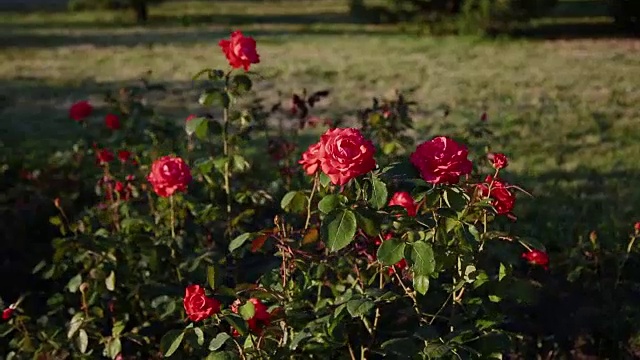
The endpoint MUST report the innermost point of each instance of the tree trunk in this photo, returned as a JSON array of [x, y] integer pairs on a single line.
[[142, 12]]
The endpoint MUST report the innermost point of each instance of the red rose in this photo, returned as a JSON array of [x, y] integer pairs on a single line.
[[7, 313], [191, 117], [483, 117], [441, 161], [310, 161], [197, 305], [404, 199], [124, 155], [399, 266], [261, 317], [498, 160], [104, 156], [537, 257], [636, 226], [345, 154], [168, 175], [503, 199], [112, 121], [240, 51], [80, 110]]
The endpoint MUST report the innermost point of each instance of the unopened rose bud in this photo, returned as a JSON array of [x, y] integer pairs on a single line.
[[84, 287], [56, 202]]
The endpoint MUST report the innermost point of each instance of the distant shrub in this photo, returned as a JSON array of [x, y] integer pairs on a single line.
[[466, 16], [139, 6], [626, 12]]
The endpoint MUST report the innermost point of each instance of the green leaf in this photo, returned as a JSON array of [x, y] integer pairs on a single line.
[[494, 298], [75, 324], [422, 258], [110, 281], [502, 273], [199, 335], [368, 221], [171, 341], [74, 283], [324, 179], [400, 348], [239, 163], [339, 228], [329, 203], [82, 341], [297, 338], [239, 241], [248, 310], [379, 193], [242, 83], [238, 323], [218, 341], [114, 347], [211, 276], [117, 328], [421, 283], [391, 251], [222, 355], [359, 307], [215, 98], [198, 126], [294, 201]]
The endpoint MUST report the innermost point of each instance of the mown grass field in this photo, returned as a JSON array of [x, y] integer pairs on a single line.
[[565, 111]]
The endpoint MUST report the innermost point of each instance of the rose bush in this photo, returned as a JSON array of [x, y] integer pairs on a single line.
[[363, 246]]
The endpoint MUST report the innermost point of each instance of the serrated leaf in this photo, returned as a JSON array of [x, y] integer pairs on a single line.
[[171, 341], [74, 283], [82, 341], [339, 228], [329, 203], [379, 193], [391, 251], [218, 341], [247, 311], [421, 283], [239, 241], [359, 307], [423, 259], [110, 281]]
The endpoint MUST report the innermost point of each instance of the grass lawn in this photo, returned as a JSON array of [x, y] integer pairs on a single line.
[[565, 111]]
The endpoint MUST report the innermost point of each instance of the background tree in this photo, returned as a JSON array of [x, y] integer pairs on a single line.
[[140, 7]]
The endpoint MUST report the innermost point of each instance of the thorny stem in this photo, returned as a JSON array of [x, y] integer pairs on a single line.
[[173, 220], [242, 356], [313, 191], [409, 293], [225, 151]]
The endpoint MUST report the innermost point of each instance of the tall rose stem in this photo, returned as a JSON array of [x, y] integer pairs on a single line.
[[225, 150], [313, 191], [173, 230]]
